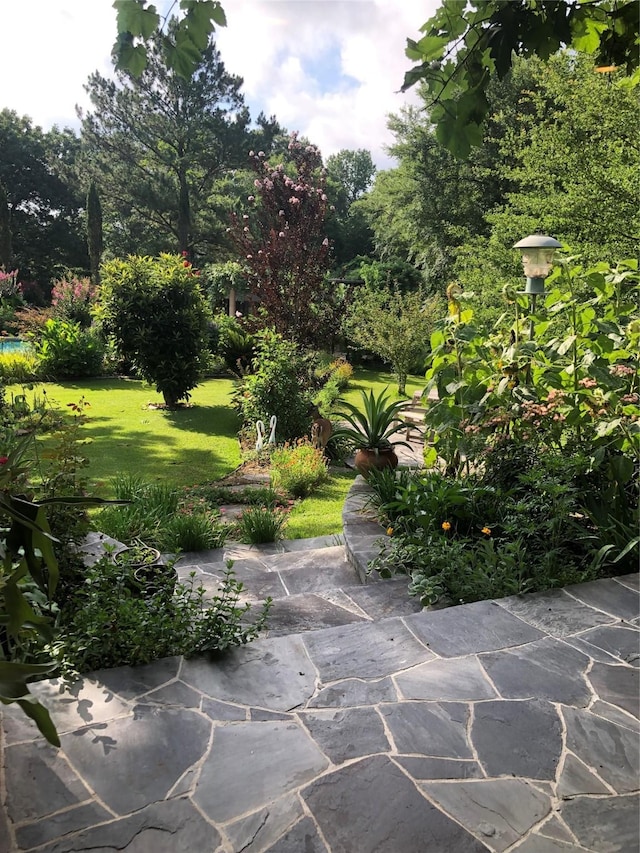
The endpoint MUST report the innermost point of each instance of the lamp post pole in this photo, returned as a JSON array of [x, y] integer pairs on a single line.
[[537, 259]]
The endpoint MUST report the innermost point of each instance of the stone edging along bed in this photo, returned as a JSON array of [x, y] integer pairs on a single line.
[[361, 531]]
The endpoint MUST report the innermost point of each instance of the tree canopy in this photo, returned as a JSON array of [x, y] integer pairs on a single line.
[[157, 144], [466, 44]]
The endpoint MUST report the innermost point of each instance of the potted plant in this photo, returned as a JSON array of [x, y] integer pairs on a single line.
[[148, 571], [369, 430]]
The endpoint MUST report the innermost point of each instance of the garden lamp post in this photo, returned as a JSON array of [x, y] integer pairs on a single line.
[[537, 259]]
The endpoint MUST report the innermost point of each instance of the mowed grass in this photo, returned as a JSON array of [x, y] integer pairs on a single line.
[[189, 446], [192, 445], [379, 381]]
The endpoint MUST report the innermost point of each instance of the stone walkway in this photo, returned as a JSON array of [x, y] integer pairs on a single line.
[[357, 725]]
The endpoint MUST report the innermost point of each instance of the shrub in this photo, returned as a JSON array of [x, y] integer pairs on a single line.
[[298, 470], [66, 350], [259, 524], [278, 386], [156, 314], [17, 367], [72, 300], [136, 630]]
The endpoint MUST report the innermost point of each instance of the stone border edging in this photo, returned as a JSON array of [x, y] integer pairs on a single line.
[[360, 528]]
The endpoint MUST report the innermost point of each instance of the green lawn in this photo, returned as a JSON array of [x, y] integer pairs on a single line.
[[188, 446], [182, 447]]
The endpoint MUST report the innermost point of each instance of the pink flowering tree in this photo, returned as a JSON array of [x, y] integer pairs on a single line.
[[282, 242]]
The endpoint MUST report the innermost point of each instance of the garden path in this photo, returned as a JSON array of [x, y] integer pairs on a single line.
[[357, 726]]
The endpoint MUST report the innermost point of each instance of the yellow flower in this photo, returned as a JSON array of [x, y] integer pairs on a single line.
[[486, 531], [389, 531], [446, 525]]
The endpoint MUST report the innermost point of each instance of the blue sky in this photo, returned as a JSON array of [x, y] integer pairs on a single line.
[[330, 69]]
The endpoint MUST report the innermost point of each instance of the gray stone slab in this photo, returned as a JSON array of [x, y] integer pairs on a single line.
[[302, 837], [576, 778], [537, 843], [64, 823], [346, 733], [606, 825], [36, 766], [261, 715], [342, 599], [311, 543], [386, 599], [615, 715], [5, 842], [471, 628], [272, 673], [427, 769], [223, 711], [259, 830], [298, 613], [437, 729], [617, 685], [173, 826], [620, 641], [210, 557], [316, 575], [352, 692], [517, 738], [631, 580], [131, 763], [129, 682], [249, 762], [326, 558], [462, 679], [499, 811], [556, 829], [258, 583], [615, 599], [175, 693], [364, 651], [85, 701], [370, 806], [555, 612], [547, 669], [612, 751]]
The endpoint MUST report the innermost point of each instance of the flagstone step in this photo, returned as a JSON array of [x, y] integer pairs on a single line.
[[311, 588]]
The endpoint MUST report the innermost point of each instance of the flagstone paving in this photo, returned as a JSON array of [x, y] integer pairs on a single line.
[[496, 726]]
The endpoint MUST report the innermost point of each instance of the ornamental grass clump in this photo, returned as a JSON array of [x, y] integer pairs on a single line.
[[261, 524], [299, 469]]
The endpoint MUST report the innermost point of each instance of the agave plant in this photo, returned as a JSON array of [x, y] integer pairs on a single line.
[[372, 426]]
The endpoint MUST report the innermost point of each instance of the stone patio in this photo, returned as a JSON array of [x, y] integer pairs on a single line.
[[496, 726]]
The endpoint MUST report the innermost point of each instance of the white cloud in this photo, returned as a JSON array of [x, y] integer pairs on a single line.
[[279, 47]]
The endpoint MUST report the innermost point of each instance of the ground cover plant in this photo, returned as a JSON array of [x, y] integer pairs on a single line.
[[534, 461]]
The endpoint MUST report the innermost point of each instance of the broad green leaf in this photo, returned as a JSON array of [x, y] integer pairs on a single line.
[[130, 58], [428, 48], [587, 33], [566, 345], [134, 18]]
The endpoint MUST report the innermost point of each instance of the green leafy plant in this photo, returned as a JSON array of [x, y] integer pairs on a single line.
[[298, 469], [261, 524], [64, 349], [371, 426], [156, 314], [278, 386], [134, 630], [28, 579]]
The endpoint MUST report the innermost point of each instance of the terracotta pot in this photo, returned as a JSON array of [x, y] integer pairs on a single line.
[[366, 459]]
